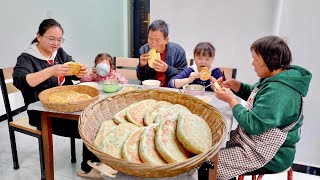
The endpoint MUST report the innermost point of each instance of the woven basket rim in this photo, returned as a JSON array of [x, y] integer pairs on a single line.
[[70, 106], [65, 87], [200, 158]]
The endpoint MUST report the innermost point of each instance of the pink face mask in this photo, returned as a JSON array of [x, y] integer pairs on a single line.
[[103, 69]]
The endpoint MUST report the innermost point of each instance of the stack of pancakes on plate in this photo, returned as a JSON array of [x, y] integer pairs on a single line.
[[155, 132]]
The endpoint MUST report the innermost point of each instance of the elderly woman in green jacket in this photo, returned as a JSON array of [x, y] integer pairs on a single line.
[[265, 139]]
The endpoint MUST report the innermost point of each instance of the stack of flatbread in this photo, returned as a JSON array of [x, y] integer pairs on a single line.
[[67, 96], [155, 132]]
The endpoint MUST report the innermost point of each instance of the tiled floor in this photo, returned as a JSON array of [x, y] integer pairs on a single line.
[[64, 169]]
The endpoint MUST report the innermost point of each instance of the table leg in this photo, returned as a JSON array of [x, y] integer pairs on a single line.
[[47, 145], [213, 172]]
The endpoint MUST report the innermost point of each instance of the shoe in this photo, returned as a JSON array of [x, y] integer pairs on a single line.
[[92, 174], [103, 168]]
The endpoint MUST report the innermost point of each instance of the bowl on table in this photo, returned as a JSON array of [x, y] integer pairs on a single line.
[[111, 85], [151, 83], [92, 84], [194, 89]]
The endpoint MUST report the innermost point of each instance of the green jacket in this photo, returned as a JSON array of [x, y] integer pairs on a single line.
[[277, 104]]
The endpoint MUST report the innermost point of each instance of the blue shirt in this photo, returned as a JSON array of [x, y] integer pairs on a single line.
[[216, 73], [175, 58]]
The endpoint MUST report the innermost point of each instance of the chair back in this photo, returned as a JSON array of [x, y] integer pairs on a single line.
[[7, 88], [127, 68], [189, 62], [229, 72], [7, 73]]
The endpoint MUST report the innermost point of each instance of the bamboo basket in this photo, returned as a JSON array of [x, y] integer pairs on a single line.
[[72, 106], [104, 109]]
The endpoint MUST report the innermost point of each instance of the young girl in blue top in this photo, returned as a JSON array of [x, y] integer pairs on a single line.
[[203, 54]]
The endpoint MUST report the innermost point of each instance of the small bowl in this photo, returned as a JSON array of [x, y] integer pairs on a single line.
[[92, 84], [111, 86], [151, 83], [194, 89]]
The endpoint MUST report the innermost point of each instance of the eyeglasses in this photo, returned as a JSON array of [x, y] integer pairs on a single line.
[[53, 40]]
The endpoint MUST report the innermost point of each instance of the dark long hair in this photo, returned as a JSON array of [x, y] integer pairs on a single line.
[[45, 25]]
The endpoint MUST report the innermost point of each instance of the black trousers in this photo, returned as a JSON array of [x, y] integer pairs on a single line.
[[65, 128]]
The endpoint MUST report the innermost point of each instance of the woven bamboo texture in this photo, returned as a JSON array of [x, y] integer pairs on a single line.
[[104, 109], [71, 106]]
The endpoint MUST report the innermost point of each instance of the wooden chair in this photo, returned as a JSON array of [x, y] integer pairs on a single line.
[[22, 125], [289, 175], [189, 62], [229, 72], [127, 68]]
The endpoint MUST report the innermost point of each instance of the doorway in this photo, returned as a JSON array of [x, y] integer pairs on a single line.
[[141, 22]]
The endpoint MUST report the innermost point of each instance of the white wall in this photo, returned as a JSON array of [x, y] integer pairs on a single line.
[[90, 27], [300, 24], [232, 26]]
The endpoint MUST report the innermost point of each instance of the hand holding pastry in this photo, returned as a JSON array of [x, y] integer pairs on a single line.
[[193, 76], [160, 66]]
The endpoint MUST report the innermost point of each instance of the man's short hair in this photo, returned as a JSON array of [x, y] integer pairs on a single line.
[[159, 25]]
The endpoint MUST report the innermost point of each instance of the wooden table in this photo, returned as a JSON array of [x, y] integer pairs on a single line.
[[46, 116]]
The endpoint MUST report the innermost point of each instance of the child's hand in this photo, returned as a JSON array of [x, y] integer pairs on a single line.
[[193, 76], [144, 59], [94, 70]]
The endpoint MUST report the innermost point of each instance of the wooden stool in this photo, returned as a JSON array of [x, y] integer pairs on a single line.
[[289, 175]]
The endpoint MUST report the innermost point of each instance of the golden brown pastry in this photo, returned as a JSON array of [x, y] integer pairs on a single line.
[[153, 55], [74, 68], [204, 73], [167, 143], [130, 149], [147, 147], [194, 133]]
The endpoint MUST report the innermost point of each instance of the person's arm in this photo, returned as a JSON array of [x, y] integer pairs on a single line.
[[243, 90], [180, 62], [64, 58], [273, 107], [186, 78], [119, 77], [87, 78], [25, 75], [34, 79], [180, 79], [240, 89], [144, 72]]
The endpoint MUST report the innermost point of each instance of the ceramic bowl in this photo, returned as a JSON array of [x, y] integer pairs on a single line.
[[151, 83], [111, 85], [194, 89], [92, 84]]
